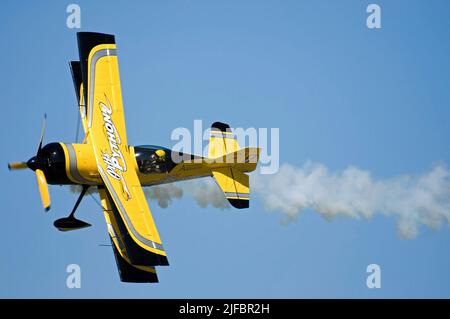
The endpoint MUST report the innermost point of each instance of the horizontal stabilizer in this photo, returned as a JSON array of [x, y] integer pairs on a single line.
[[244, 159]]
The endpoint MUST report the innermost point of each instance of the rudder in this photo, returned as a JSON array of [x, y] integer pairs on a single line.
[[231, 179], [221, 141], [235, 186]]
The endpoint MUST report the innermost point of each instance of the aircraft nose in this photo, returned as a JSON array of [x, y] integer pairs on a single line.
[[32, 163]]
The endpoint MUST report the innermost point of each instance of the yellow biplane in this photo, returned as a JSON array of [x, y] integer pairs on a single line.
[[106, 161]]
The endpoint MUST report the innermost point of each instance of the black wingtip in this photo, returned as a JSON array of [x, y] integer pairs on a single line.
[[239, 203], [75, 70], [47, 208], [86, 42], [223, 127]]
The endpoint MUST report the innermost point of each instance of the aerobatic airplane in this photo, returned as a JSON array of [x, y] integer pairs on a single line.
[[106, 161]]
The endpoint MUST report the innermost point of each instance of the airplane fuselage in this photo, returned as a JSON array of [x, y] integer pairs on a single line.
[[67, 164]]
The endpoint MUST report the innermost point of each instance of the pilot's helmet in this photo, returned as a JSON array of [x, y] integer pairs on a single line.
[[160, 153]]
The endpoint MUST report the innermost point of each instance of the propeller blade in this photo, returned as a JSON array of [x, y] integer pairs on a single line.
[[17, 165], [44, 123], [43, 189]]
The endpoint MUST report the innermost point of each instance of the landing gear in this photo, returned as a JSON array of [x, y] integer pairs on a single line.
[[70, 222]]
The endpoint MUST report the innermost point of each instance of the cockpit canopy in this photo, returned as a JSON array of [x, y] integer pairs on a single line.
[[150, 161]]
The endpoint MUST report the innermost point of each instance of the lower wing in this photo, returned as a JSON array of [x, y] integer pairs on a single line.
[[128, 271]]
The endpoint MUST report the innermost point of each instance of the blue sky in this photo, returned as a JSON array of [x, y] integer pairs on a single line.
[[340, 93]]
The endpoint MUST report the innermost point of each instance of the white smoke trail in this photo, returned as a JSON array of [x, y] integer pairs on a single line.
[[204, 191], [353, 193], [164, 194]]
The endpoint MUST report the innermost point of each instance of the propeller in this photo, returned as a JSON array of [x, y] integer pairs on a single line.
[[44, 124], [43, 189], [34, 163], [17, 165]]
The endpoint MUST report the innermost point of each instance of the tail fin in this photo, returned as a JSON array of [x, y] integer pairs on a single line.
[[230, 164], [235, 185], [221, 141]]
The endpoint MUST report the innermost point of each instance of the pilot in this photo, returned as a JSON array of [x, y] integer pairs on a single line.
[[156, 162], [161, 155]]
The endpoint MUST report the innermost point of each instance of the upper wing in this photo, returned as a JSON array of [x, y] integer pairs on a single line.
[[107, 135]]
